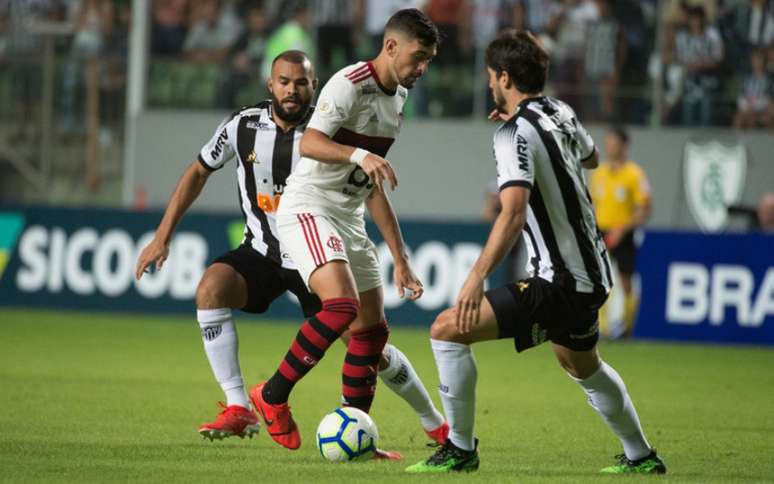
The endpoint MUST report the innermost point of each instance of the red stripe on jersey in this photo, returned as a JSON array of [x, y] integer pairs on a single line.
[[362, 78], [375, 144], [309, 243], [317, 237], [355, 73]]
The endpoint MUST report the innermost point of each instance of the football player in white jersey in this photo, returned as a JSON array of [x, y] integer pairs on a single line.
[[321, 225], [263, 139]]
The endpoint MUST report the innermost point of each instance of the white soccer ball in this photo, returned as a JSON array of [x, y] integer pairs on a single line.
[[347, 434]]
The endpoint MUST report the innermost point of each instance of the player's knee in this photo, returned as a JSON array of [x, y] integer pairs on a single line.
[[444, 327], [211, 292], [580, 367]]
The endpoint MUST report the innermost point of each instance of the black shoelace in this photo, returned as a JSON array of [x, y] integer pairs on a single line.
[[445, 452]]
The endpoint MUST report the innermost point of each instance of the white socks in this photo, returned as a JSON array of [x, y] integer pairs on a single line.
[[400, 377], [608, 396], [457, 372], [222, 348]]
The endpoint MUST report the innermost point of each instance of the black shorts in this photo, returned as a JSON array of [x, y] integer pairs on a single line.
[[625, 254], [534, 310], [267, 280]]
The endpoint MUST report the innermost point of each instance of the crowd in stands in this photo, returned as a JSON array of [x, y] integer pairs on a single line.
[[674, 62], [78, 32]]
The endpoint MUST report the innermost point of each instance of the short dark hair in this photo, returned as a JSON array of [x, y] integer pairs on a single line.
[[621, 133], [518, 54], [416, 25], [292, 56]]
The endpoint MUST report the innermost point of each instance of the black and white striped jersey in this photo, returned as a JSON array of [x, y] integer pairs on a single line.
[[265, 157], [541, 147]]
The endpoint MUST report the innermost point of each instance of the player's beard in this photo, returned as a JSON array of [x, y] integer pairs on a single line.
[[408, 82], [293, 117], [499, 99]]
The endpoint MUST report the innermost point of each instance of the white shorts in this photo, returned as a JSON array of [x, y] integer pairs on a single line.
[[314, 240]]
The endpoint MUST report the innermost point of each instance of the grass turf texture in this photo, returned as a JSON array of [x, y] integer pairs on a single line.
[[99, 397]]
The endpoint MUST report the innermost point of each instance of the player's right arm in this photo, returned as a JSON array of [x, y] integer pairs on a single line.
[[514, 149], [187, 190], [212, 156], [335, 106], [589, 156]]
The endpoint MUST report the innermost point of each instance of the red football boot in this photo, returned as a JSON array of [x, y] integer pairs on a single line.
[[232, 420], [278, 419], [439, 435]]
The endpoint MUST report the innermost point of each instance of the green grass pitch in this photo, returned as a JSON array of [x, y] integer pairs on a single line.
[[94, 397]]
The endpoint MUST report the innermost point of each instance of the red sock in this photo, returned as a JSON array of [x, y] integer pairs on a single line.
[[358, 376], [314, 337]]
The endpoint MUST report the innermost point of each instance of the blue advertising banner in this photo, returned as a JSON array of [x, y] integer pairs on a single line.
[[707, 287], [85, 258]]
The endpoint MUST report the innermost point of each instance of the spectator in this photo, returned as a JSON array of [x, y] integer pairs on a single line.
[[569, 28], [23, 49], [633, 105], [754, 107], [246, 57], [698, 52], [621, 197], [452, 17], [169, 27], [113, 76], [291, 35], [605, 53], [533, 15], [766, 213], [338, 23], [211, 35], [754, 23], [377, 12], [448, 92], [92, 27]]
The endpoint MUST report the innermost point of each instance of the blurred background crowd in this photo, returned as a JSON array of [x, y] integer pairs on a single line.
[[686, 62], [637, 62]]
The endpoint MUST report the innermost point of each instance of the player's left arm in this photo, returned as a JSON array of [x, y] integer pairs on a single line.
[[381, 211], [504, 234]]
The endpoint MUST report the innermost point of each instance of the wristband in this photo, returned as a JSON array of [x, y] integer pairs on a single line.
[[358, 156]]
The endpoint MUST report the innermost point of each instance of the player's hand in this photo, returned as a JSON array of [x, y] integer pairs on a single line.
[[379, 170], [407, 282], [497, 115], [154, 253], [468, 306]]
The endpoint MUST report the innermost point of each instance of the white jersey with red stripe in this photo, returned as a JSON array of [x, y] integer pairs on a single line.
[[354, 109]]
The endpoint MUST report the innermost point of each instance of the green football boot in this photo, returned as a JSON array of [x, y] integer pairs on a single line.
[[449, 458], [650, 464]]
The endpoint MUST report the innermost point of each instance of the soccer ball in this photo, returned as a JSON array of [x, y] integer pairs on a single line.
[[347, 434]]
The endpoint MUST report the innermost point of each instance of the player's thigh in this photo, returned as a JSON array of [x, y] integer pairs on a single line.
[[371, 309], [333, 280], [579, 364], [315, 246], [221, 286], [445, 326]]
